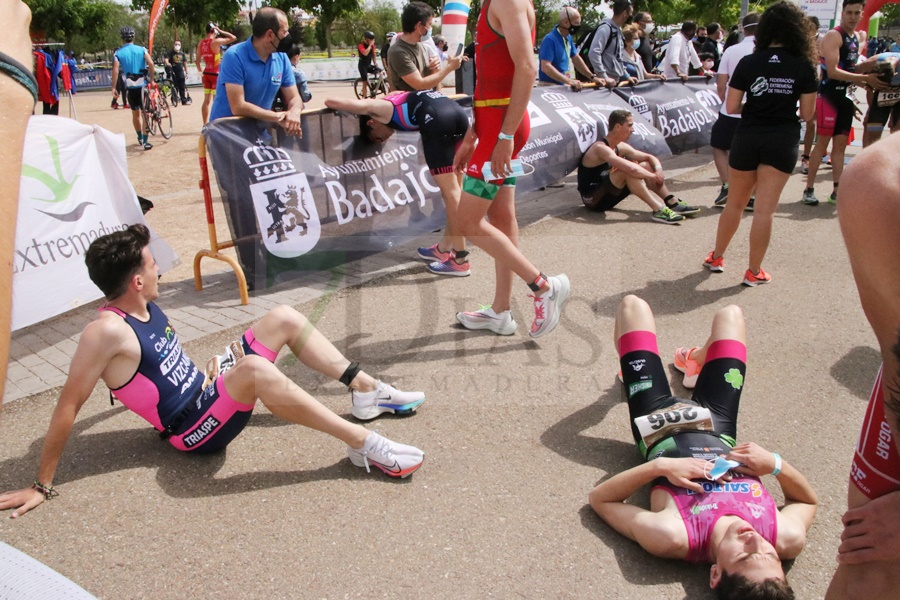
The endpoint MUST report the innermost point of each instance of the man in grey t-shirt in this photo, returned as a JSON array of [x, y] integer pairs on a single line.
[[409, 64]]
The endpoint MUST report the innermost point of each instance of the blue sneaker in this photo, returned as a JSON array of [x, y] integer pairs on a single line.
[[433, 254], [384, 399]]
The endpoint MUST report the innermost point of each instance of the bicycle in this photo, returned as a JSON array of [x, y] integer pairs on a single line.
[[167, 89], [376, 83], [156, 111]]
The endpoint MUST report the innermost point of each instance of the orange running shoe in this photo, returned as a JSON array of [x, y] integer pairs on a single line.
[[754, 280], [716, 265]]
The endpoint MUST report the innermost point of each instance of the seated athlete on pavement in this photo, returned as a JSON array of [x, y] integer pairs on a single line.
[[442, 123], [132, 346], [697, 513], [611, 170]]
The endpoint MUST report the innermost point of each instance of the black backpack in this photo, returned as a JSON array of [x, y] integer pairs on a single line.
[[584, 48]]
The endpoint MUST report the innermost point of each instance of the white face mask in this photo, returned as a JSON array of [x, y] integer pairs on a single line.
[[648, 28], [177, 47]]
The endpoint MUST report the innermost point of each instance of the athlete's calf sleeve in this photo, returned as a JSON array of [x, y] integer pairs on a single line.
[[349, 374]]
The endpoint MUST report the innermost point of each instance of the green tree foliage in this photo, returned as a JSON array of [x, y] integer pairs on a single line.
[[193, 15], [327, 11], [379, 18], [61, 20]]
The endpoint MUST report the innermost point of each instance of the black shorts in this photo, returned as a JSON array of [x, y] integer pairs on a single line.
[[718, 388], [723, 132], [442, 123], [755, 146], [603, 195], [882, 115], [135, 97]]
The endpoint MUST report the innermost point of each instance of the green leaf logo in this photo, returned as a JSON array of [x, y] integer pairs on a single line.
[[734, 377], [58, 185]]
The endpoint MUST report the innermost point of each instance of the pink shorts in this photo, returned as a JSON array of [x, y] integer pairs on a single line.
[[218, 418], [876, 466]]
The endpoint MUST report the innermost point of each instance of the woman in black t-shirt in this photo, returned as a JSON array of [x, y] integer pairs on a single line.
[[779, 72]]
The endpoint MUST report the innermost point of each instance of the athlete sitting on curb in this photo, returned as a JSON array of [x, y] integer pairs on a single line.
[[696, 513], [611, 170], [442, 123], [131, 346]]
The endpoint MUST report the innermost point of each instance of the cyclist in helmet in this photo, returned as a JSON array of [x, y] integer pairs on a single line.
[[366, 55], [135, 62]]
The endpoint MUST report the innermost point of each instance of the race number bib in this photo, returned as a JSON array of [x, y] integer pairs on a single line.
[[889, 97], [217, 365], [671, 420]]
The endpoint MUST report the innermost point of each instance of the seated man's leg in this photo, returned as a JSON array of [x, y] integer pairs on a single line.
[[284, 326], [722, 363], [254, 377], [643, 374], [611, 190], [639, 188]]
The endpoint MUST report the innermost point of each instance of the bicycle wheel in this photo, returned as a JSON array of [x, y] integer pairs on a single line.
[[383, 88], [173, 93], [147, 113], [359, 88], [164, 118]]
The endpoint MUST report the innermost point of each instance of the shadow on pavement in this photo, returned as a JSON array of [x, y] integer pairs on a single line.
[[667, 296], [856, 370]]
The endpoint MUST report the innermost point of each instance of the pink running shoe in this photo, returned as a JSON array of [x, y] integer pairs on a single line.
[[688, 366], [450, 267], [432, 253]]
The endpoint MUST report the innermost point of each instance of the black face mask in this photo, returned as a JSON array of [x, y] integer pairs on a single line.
[[573, 29], [284, 44]]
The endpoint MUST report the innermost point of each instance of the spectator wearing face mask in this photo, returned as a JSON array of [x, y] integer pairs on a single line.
[[253, 71], [409, 66], [175, 60], [644, 21], [634, 65], [558, 48]]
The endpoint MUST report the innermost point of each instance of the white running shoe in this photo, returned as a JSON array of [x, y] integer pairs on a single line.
[[397, 460], [548, 307], [385, 398], [486, 318]]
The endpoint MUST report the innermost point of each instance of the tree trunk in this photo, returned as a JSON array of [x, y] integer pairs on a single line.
[[328, 39]]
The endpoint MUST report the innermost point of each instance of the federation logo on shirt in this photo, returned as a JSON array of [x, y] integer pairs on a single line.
[[276, 79], [760, 86]]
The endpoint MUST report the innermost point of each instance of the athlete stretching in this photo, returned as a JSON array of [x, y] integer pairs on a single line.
[[442, 123], [869, 554], [834, 110], [208, 50], [695, 515], [504, 60], [132, 346]]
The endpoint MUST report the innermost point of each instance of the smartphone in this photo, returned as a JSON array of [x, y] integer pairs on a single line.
[[459, 49], [517, 170]]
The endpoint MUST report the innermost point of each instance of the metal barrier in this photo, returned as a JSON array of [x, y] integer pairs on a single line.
[[214, 245]]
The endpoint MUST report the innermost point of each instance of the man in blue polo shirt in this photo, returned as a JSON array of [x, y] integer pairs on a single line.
[[557, 48], [254, 70]]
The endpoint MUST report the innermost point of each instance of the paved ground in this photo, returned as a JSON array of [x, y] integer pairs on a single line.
[[516, 431]]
